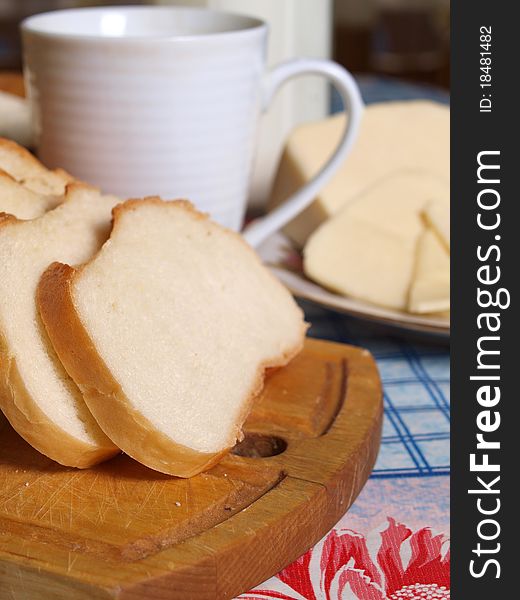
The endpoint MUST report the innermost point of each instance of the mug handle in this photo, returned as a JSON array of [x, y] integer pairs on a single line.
[[262, 228]]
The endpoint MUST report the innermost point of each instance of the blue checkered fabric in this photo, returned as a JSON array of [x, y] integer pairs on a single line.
[[415, 375], [415, 380]]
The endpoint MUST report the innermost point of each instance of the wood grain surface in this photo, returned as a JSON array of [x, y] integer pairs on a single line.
[[120, 530]]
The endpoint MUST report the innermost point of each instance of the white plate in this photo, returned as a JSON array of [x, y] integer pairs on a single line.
[[278, 253]]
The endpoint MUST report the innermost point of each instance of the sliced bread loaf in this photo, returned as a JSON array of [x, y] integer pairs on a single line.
[[168, 332], [37, 396], [23, 203], [28, 170]]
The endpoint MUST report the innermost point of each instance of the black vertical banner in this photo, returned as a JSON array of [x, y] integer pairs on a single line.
[[485, 244]]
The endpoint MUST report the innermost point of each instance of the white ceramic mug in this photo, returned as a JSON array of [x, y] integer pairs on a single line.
[[165, 100]]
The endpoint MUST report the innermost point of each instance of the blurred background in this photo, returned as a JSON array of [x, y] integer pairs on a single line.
[[396, 49], [400, 38]]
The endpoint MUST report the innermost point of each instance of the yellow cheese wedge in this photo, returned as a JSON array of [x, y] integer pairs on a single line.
[[437, 216], [430, 289], [393, 136], [367, 250]]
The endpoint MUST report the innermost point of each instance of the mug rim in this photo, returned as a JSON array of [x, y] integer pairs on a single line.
[[248, 25]]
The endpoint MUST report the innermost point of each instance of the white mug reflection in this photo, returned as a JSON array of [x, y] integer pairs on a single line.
[[113, 24]]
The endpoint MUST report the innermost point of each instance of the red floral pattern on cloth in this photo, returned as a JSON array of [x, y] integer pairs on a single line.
[[341, 566]]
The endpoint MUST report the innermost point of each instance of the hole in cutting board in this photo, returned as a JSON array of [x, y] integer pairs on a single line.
[[259, 446]]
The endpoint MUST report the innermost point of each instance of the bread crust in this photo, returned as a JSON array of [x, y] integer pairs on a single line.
[[31, 423], [8, 147], [5, 177], [103, 395], [130, 430], [31, 204], [6, 218]]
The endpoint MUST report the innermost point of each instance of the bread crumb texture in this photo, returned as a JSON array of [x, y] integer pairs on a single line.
[[186, 318]]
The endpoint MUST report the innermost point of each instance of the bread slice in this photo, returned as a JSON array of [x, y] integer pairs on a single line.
[[36, 395], [168, 332], [23, 203], [29, 171], [367, 250]]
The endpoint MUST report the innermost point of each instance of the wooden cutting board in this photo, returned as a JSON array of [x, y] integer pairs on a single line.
[[123, 531]]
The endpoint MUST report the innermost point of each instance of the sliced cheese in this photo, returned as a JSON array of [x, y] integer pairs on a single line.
[[437, 216], [367, 250], [430, 289], [393, 136], [361, 259], [403, 194]]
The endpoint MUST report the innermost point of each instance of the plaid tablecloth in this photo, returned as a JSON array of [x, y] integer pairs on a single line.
[[393, 542]]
